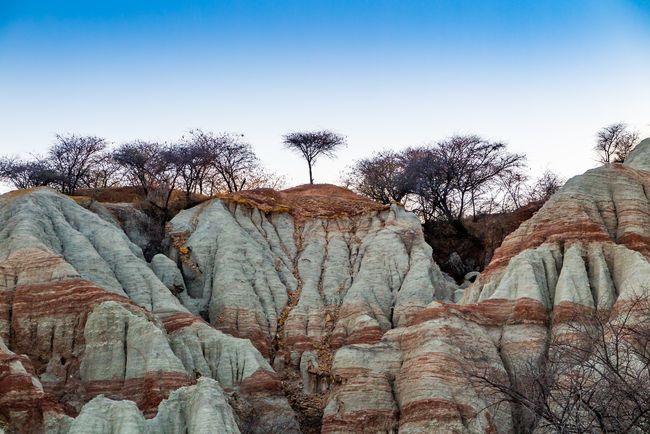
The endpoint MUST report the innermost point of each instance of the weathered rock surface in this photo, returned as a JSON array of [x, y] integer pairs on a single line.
[[82, 314], [301, 280], [354, 276], [417, 378], [336, 294], [22, 400], [586, 248], [588, 243], [141, 229], [199, 409]]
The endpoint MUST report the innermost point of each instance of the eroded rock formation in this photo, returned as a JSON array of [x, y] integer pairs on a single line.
[[84, 315], [302, 273], [586, 248], [310, 309], [253, 280]]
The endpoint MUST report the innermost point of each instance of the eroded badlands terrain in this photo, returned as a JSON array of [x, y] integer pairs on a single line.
[[306, 310]]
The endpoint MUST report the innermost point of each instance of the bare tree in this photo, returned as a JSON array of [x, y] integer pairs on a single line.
[[224, 162], [237, 164], [190, 161], [203, 149], [452, 175], [614, 143], [380, 177], [105, 173], [167, 170], [594, 377], [313, 144], [516, 190], [27, 173], [72, 158], [158, 169], [201, 162], [140, 161], [545, 186], [513, 186]]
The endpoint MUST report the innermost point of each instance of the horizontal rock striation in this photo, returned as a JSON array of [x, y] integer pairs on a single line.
[[587, 244], [418, 378], [82, 314], [349, 275], [585, 250]]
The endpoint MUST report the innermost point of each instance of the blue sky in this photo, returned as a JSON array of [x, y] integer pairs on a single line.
[[542, 75]]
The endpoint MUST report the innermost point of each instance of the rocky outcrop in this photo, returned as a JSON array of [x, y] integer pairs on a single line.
[[585, 249], [82, 314], [354, 274], [197, 409], [23, 399], [303, 272], [141, 229], [588, 243], [418, 378], [311, 305]]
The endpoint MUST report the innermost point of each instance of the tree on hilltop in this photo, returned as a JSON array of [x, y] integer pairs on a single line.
[[451, 176], [313, 144], [27, 173], [380, 177], [73, 157], [140, 162], [614, 143]]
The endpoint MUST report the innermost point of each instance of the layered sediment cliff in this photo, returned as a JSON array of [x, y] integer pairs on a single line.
[[586, 249], [83, 314], [302, 273], [310, 309]]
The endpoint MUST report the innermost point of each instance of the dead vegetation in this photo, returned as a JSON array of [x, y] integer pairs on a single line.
[[484, 234], [593, 377]]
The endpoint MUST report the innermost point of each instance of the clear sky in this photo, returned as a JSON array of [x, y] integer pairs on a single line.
[[542, 75]]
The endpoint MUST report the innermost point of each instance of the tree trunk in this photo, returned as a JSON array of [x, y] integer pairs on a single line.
[[311, 178]]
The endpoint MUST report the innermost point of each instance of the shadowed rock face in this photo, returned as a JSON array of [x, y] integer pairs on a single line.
[[141, 229], [82, 315]]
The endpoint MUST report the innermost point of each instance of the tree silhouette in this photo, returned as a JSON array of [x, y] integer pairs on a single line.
[[313, 144]]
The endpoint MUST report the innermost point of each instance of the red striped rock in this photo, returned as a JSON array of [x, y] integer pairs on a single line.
[[301, 273], [202, 407], [588, 244], [294, 278], [82, 314], [22, 400], [587, 248], [415, 380]]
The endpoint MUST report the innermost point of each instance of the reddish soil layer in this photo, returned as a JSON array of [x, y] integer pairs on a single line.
[[306, 201]]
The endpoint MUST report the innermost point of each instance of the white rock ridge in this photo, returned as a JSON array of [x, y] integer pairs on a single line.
[[82, 314], [292, 282]]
